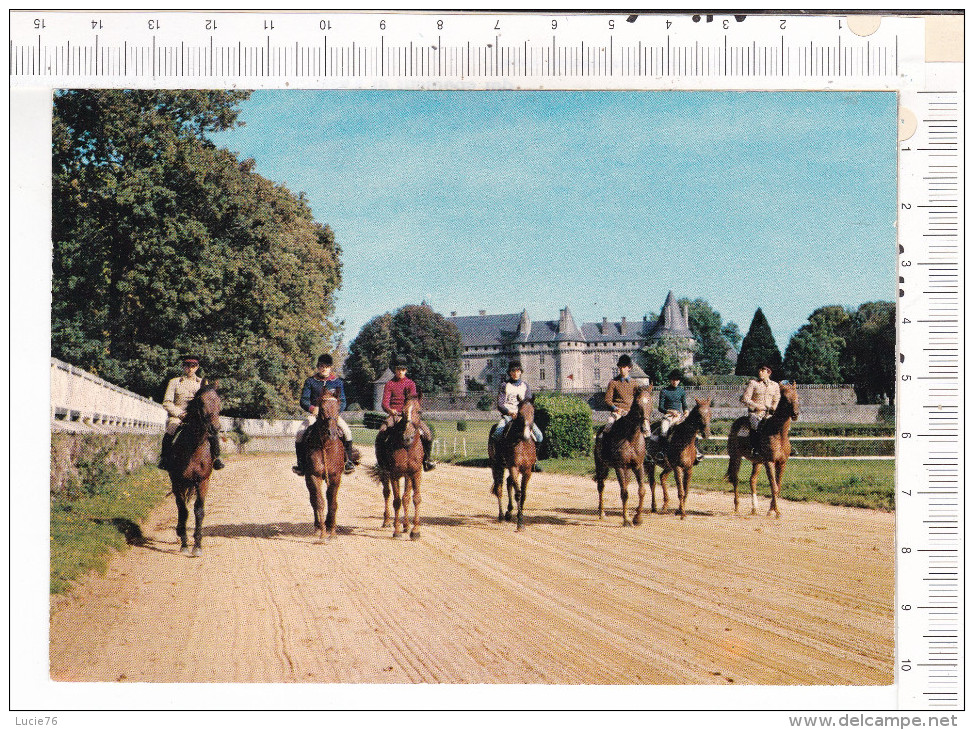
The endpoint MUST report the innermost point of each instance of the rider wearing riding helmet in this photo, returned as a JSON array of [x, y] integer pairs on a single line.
[[394, 395], [761, 396], [620, 392], [179, 392], [323, 379], [511, 394]]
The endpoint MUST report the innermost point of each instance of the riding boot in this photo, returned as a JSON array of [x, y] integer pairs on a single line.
[[352, 456], [299, 453], [215, 450], [166, 448], [755, 440], [428, 464]]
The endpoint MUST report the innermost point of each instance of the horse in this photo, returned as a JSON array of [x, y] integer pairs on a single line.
[[191, 463], [624, 449], [324, 463], [516, 453], [678, 455], [774, 450], [399, 455]]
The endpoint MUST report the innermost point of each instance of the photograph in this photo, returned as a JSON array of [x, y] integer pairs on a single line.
[[473, 387]]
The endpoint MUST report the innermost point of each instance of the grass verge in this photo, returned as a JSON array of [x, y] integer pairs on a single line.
[[99, 519]]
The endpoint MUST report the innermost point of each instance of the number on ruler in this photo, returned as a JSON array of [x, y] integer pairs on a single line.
[[96, 25], [439, 25], [382, 25], [39, 24], [905, 665], [554, 24], [211, 24], [325, 25], [154, 25], [268, 25]]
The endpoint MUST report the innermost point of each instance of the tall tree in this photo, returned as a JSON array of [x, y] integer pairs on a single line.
[[431, 344], [165, 244], [662, 356], [708, 327], [758, 348], [871, 352], [816, 352]]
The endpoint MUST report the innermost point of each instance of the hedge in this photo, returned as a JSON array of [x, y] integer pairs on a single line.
[[373, 420], [566, 422]]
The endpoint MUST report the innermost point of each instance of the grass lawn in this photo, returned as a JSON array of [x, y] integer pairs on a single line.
[[85, 531]]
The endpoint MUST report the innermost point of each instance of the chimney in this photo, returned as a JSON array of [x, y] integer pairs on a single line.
[[483, 312], [622, 327], [605, 325]]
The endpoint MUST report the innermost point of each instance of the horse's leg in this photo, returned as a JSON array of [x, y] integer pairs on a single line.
[[641, 480], [182, 515], [400, 492], [522, 494], [662, 485], [198, 511], [396, 505], [310, 484], [652, 485], [771, 469], [601, 472], [733, 468], [754, 487], [497, 475], [386, 491], [511, 497], [334, 480], [318, 504], [417, 498], [623, 478], [685, 489]]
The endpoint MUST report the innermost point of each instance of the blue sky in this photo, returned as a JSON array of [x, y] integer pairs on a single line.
[[602, 201]]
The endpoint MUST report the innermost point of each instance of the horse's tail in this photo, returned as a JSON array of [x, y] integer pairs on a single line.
[[376, 473]]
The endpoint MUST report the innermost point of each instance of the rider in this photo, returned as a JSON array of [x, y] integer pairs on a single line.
[[761, 397], [620, 392], [394, 395], [179, 392], [673, 406], [323, 379], [512, 393]]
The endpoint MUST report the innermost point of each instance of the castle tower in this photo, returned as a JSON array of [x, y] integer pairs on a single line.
[[569, 351]]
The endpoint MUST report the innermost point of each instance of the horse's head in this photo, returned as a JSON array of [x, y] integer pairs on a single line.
[[205, 406], [702, 409], [410, 419], [525, 413], [642, 406], [788, 405], [328, 406]]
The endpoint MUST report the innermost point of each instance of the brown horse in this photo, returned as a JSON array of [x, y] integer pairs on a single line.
[[399, 455], [516, 453], [325, 462], [624, 449], [191, 462], [678, 454], [774, 450]]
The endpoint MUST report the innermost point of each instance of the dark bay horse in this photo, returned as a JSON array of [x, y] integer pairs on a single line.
[[678, 455], [325, 462], [516, 453], [399, 455], [774, 450], [191, 462], [624, 449]]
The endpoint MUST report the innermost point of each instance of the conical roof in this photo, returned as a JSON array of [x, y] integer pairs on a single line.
[[671, 321]]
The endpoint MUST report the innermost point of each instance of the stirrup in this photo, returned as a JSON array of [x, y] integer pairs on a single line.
[[428, 465], [218, 463], [349, 466], [298, 470]]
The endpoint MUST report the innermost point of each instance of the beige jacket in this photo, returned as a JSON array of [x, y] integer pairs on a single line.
[[179, 393], [761, 397]]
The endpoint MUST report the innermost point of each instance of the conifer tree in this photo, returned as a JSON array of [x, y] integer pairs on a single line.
[[759, 348]]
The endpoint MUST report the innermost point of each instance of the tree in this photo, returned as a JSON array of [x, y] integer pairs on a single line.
[[816, 352], [758, 348], [662, 356], [369, 355], [871, 352], [165, 244], [707, 327], [431, 345]]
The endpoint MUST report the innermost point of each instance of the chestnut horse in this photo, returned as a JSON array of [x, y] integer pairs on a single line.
[[191, 463], [516, 453], [325, 462], [399, 455], [624, 448], [774, 450], [678, 454]]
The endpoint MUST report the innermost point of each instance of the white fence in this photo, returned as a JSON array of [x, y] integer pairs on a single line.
[[82, 401]]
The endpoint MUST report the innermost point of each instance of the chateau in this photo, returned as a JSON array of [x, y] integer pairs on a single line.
[[559, 354]]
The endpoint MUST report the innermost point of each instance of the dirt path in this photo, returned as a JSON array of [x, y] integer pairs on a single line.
[[715, 598]]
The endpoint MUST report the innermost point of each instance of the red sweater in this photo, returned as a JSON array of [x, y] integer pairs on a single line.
[[394, 394]]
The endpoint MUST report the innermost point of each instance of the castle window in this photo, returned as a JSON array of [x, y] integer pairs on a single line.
[[541, 360], [598, 375], [596, 360], [541, 376]]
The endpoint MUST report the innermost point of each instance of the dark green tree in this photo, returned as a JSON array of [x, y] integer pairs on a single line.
[[431, 344], [369, 355], [707, 327], [871, 352], [165, 244], [759, 348], [816, 352], [662, 356]]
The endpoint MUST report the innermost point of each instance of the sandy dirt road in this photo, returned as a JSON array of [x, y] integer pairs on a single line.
[[713, 599]]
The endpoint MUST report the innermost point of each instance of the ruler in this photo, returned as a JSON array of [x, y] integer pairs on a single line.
[[917, 56]]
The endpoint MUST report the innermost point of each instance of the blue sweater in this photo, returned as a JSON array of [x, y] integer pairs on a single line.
[[314, 386]]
